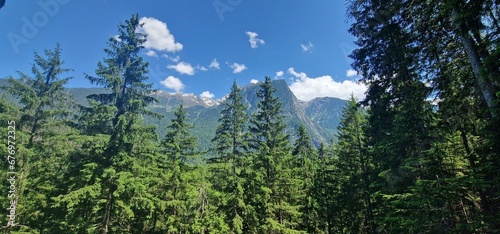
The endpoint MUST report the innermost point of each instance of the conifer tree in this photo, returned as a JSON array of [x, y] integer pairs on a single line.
[[42, 123], [115, 175], [325, 191], [272, 188], [179, 145], [231, 146], [43, 97], [124, 73], [185, 189], [305, 163], [402, 61], [354, 171]]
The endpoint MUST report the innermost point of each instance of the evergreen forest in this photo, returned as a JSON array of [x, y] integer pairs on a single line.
[[420, 154]]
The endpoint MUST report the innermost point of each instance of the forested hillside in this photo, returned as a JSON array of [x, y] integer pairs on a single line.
[[320, 115], [419, 154]]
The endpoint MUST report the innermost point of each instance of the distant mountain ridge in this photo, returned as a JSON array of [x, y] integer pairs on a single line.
[[293, 110], [320, 116]]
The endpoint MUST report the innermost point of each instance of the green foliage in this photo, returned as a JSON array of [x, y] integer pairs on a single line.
[[325, 193], [42, 96], [231, 147], [305, 163], [271, 182], [440, 54], [179, 147], [179, 144], [418, 155], [123, 73], [38, 124], [114, 175], [354, 168]]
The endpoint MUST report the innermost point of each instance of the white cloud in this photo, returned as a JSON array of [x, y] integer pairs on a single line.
[[306, 88], [254, 81], [279, 74], [158, 35], [175, 59], [254, 41], [151, 53], [201, 68], [173, 83], [237, 68], [307, 47], [207, 94], [351, 73], [183, 68], [214, 64]]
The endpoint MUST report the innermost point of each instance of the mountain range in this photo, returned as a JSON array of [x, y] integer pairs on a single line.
[[320, 116]]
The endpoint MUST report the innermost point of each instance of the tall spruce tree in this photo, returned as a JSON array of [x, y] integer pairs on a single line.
[[188, 204], [231, 146], [124, 73], [179, 145], [354, 168], [44, 107], [396, 97], [115, 175], [325, 191], [43, 97], [272, 189], [304, 166]]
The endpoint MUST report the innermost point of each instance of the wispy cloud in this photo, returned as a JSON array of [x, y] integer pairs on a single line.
[[214, 64], [254, 41], [201, 68], [151, 53], [279, 74], [307, 48], [175, 59]]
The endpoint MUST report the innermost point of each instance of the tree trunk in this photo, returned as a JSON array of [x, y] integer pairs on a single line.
[[472, 52], [107, 212]]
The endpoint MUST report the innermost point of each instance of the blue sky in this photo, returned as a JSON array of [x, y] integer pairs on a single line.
[[196, 47]]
